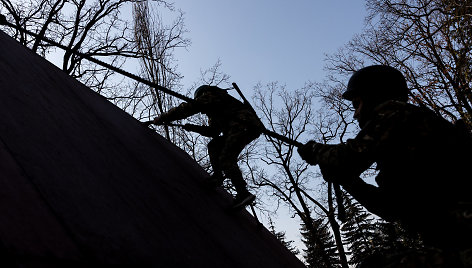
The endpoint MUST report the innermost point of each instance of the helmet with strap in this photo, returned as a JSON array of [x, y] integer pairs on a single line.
[[377, 82], [205, 88]]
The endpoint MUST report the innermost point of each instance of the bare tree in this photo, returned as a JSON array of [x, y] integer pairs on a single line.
[[428, 40], [156, 43], [292, 182], [95, 28]]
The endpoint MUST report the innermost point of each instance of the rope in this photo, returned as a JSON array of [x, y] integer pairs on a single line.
[[265, 130], [3, 21]]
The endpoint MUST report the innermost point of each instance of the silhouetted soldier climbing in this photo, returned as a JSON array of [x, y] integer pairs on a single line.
[[423, 163], [231, 124]]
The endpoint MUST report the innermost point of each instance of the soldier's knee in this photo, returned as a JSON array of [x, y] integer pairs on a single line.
[[229, 165], [215, 145], [226, 163]]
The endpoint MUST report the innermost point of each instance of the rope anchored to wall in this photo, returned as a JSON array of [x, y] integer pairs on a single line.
[[3, 21]]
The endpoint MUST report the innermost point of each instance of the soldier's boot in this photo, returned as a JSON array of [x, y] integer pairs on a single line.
[[243, 199], [215, 180]]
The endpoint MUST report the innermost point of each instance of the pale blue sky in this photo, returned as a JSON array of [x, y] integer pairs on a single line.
[[264, 40]]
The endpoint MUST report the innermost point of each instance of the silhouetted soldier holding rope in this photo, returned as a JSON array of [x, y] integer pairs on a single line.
[[231, 125], [424, 169]]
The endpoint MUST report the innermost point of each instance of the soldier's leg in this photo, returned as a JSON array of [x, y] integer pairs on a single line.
[[215, 148], [235, 141]]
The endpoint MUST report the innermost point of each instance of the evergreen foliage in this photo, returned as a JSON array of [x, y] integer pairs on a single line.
[[367, 236], [392, 237], [359, 231], [282, 238], [321, 249]]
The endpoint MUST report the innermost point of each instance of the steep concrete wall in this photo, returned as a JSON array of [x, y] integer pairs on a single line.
[[84, 184]]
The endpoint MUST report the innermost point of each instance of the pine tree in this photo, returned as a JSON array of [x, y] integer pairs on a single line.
[[367, 236], [321, 247], [394, 238], [282, 238], [359, 231]]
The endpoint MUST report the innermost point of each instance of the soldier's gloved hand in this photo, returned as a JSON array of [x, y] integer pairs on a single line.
[[147, 123], [160, 120], [330, 174], [191, 127], [309, 152], [336, 175]]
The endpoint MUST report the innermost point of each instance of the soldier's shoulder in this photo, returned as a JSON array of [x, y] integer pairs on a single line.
[[401, 109], [393, 106], [413, 117], [394, 115]]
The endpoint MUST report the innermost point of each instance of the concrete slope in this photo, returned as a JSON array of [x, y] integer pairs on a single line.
[[83, 184]]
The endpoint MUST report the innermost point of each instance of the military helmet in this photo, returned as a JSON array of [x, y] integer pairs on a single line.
[[379, 82], [202, 89]]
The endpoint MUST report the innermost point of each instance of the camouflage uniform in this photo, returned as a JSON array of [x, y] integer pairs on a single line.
[[229, 117], [423, 176]]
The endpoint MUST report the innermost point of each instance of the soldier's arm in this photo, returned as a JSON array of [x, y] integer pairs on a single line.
[[342, 161], [343, 164], [206, 131], [182, 111], [370, 196]]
